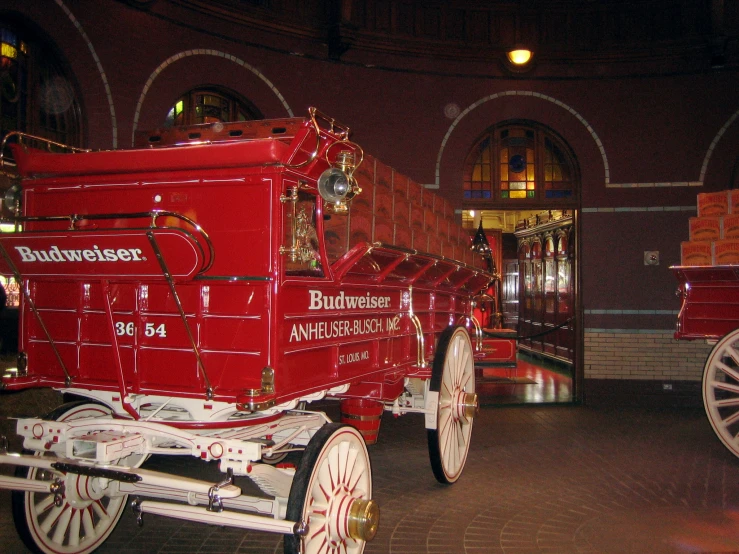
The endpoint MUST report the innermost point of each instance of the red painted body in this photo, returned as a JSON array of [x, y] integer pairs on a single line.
[[710, 301], [97, 280], [499, 350]]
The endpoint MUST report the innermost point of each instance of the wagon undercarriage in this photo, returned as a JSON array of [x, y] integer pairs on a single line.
[[81, 467]]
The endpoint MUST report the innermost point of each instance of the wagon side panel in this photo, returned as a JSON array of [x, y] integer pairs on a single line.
[[710, 301], [335, 334], [94, 319]]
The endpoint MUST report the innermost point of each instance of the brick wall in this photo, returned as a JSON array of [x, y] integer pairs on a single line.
[[641, 354]]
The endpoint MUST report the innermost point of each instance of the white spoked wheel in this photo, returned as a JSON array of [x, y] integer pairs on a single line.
[[83, 516], [453, 378], [331, 495], [721, 390]]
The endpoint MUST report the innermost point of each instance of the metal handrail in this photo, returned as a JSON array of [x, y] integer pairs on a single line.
[[74, 219], [21, 137], [334, 127], [153, 215]]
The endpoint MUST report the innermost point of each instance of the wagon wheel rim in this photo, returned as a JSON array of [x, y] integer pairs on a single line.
[[721, 390], [80, 519], [454, 380], [331, 495]]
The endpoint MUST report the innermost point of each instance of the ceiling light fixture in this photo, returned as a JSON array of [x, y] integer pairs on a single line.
[[520, 56]]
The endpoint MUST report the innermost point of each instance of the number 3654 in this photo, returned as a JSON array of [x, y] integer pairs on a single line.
[[150, 329]]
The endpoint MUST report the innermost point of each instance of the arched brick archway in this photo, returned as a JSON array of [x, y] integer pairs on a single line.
[[202, 52]]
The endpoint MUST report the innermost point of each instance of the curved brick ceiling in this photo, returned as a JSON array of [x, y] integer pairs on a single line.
[[570, 37]]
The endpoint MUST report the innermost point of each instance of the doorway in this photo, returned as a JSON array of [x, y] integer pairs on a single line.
[[536, 255]]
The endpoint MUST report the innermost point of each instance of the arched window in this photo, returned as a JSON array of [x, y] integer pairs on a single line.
[[211, 105], [36, 94], [36, 97], [520, 162]]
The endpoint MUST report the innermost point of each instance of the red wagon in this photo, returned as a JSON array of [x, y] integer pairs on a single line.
[[710, 312], [191, 296]]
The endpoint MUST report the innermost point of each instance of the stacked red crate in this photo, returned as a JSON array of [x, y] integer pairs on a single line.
[[394, 209], [713, 236]]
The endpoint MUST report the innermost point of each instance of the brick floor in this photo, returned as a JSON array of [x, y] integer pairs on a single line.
[[552, 479]]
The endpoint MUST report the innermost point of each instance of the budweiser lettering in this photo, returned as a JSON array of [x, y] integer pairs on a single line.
[[319, 301], [94, 254]]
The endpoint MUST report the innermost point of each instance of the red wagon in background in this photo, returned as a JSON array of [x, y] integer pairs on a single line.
[[196, 294], [710, 312]]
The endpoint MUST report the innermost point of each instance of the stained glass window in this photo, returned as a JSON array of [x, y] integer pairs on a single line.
[[210, 106], [519, 163], [479, 184], [37, 96], [557, 174]]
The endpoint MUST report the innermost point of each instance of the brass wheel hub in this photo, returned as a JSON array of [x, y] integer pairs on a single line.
[[467, 405], [364, 517]]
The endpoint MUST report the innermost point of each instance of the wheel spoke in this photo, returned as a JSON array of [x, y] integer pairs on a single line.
[[87, 523], [465, 359], [325, 484], [732, 352], [445, 404], [102, 514], [46, 503], [731, 372], [74, 529], [725, 402], [62, 525], [452, 449], [725, 387], [445, 421], [334, 467], [454, 361], [317, 546], [461, 437], [731, 419], [51, 518], [341, 462], [356, 473], [447, 381], [466, 381]]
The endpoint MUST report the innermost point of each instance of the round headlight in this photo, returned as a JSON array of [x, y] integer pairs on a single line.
[[12, 198], [333, 185]]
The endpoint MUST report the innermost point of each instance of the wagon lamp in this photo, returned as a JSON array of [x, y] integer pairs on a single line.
[[12, 199], [337, 185], [334, 185]]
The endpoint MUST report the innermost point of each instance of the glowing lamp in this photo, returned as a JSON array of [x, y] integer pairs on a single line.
[[520, 56]]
